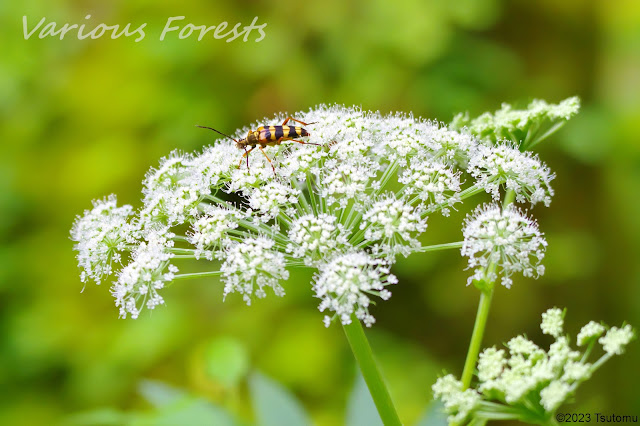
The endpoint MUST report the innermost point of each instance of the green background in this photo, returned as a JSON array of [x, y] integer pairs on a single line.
[[85, 118]]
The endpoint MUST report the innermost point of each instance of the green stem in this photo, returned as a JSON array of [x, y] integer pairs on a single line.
[[312, 197], [197, 275], [548, 133], [180, 238], [470, 191], [476, 337], [509, 197], [436, 247], [364, 356]]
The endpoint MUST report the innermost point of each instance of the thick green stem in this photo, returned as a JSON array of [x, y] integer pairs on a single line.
[[509, 197], [364, 356], [476, 337]]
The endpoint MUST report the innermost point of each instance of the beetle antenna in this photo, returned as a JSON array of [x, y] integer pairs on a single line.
[[217, 131]]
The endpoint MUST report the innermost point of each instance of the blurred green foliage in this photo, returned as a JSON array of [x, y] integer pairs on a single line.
[[84, 118]]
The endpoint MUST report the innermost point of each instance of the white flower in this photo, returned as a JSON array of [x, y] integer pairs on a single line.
[[252, 265], [300, 160], [453, 148], [395, 224], [506, 238], [101, 234], [553, 395], [272, 198], [520, 345], [315, 237], [560, 352], [589, 332], [490, 364], [433, 183], [173, 192], [139, 281], [575, 371], [351, 197], [552, 322], [522, 172], [345, 180], [616, 339], [210, 229], [215, 165], [457, 403], [346, 282], [531, 383]]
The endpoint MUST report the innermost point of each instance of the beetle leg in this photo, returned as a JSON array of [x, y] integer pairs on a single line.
[[297, 121], [246, 154], [278, 142], [268, 159], [305, 143]]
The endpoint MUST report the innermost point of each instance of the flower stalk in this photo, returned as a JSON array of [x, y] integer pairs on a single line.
[[364, 356], [476, 337]]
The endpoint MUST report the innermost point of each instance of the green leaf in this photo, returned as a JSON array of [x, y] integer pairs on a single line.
[[226, 361], [175, 406], [434, 415], [361, 410], [191, 411], [159, 394], [274, 405]]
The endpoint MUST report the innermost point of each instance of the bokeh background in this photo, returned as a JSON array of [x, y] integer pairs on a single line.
[[81, 119]]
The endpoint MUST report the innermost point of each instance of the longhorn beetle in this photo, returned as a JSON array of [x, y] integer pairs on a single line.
[[268, 136]]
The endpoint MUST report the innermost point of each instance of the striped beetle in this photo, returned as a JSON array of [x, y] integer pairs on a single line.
[[265, 136]]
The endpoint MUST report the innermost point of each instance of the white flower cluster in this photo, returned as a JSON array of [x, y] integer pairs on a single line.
[[616, 339], [313, 238], [552, 322], [346, 283], [589, 332], [101, 235], [532, 381], [139, 281], [250, 266], [504, 165], [457, 401], [210, 229], [394, 224], [504, 238], [172, 192], [271, 198], [344, 181], [362, 188], [435, 184]]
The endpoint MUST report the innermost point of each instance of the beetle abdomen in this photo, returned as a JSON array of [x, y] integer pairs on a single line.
[[274, 133]]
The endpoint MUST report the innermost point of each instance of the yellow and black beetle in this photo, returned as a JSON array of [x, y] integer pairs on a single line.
[[265, 136]]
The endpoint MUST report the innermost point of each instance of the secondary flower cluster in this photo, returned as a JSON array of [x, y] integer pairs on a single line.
[[527, 126], [345, 207], [506, 238], [530, 384]]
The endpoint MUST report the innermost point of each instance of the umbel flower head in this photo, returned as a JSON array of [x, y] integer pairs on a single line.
[[527, 383], [345, 207], [505, 239], [346, 283]]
